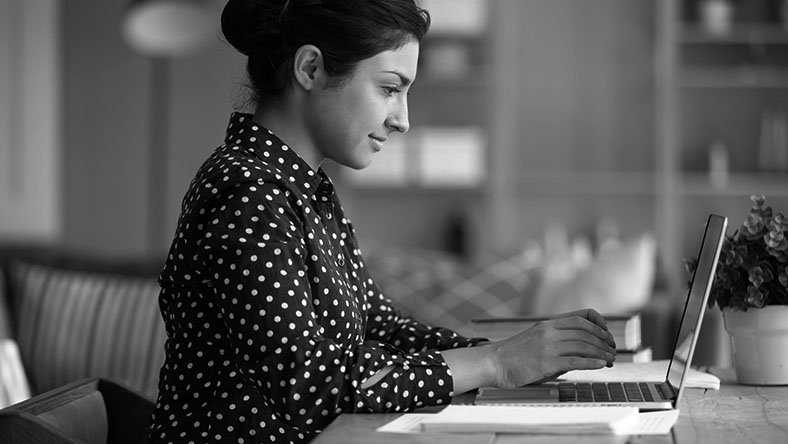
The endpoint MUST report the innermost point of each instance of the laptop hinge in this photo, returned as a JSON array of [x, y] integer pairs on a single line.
[[668, 391]]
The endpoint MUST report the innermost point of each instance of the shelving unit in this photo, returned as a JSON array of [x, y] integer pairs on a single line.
[[451, 92], [717, 87], [572, 128], [595, 114]]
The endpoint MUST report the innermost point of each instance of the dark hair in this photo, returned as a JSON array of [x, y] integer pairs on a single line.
[[269, 32]]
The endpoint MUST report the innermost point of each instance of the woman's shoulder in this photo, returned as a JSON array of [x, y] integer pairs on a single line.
[[231, 165], [230, 172]]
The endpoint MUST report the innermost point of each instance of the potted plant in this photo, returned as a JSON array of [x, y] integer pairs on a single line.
[[751, 290]]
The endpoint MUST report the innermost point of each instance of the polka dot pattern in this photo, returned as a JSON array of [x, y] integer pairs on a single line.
[[273, 321]]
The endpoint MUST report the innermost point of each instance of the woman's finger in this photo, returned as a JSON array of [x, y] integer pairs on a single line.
[[582, 348], [569, 363], [581, 323]]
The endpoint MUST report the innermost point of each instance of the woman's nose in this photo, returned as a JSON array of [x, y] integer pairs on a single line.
[[398, 119]]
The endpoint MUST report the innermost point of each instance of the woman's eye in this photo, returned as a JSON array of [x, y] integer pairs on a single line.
[[391, 90]]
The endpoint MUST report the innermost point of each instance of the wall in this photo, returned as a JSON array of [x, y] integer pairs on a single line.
[[107, 102], [29, 120]]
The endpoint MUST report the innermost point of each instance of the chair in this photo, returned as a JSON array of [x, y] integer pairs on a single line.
[[89, 411]]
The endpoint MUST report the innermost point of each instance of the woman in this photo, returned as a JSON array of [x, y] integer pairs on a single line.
[[274, 324]]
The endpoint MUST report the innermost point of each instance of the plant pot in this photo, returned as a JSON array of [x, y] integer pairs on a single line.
[[759, 337]]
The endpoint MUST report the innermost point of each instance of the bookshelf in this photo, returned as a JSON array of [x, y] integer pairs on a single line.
[[718, 88], [592, 114], [433, 180]]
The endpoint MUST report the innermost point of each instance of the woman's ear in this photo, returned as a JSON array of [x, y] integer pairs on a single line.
[[308, 66]]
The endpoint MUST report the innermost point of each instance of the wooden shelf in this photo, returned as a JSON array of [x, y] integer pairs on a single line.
[[614, 183], [426, 83], [741, 77], [739, 184], [741, 34]]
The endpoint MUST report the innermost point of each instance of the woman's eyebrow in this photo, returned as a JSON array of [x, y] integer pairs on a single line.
[[402, 77]]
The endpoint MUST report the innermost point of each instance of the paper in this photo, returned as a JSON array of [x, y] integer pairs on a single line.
[[558, 420], [636, 372], [655, 423], [647, 423], [407, 423]]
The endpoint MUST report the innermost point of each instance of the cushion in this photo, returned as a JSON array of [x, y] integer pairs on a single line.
[[618, 279], [443, 290], [76, 324], [83, 419]]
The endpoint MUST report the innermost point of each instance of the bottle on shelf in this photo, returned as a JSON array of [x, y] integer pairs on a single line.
[[773, 148], [716, 16], [719, 172]]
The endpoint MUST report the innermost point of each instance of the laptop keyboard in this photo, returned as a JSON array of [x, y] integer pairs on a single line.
[[604, 392]]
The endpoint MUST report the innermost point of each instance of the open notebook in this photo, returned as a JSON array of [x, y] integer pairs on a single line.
[[646, 394]]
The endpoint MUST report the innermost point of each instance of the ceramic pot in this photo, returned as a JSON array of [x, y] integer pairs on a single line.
[[759, 337]]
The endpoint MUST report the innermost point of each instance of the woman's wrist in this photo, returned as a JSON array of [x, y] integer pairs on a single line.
[[472, 367]]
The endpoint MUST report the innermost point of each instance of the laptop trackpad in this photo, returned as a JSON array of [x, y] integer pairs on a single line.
[[518, 395]]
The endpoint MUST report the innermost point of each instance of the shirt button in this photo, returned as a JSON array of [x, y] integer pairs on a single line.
[[341, 261], [329, 216]]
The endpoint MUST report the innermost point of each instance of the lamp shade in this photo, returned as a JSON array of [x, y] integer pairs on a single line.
[[167, 28]]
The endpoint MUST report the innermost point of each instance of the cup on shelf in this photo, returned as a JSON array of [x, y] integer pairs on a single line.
[[716, 16]]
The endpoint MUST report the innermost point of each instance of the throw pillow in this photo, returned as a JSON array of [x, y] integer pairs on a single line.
[[442, 290], [619, 279], [76, 324]]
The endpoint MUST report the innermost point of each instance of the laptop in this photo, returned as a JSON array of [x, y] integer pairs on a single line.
[[646, 395]]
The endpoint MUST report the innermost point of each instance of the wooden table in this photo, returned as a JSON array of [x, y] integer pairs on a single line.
[[733, 414]]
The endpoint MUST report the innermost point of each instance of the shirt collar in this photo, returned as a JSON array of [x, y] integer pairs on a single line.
[[244, 132]]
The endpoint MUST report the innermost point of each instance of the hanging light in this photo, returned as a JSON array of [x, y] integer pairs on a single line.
[[167, 28]]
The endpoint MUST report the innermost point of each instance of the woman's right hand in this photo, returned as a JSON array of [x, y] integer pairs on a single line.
[[573, 341]]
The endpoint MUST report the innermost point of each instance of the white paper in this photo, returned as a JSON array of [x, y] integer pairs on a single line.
[[407, 423], [560, 419], [647, 423], [654, 423], [645, 371]]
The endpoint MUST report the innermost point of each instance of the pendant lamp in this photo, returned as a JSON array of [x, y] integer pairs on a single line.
[[162, 30], [168, 28]]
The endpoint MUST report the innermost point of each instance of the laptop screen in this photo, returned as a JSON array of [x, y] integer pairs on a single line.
[[697, 296]]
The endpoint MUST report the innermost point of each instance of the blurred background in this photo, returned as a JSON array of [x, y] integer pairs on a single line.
[[564, 123]]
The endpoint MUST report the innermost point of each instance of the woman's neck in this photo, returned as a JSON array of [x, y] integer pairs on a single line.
[[285, 122]]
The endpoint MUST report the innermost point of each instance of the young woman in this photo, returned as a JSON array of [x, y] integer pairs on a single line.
[[274, 324]]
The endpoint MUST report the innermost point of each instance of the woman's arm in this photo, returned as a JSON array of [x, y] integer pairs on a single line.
[[572, 341]]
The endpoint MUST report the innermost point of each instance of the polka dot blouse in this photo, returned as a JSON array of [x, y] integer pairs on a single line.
[[273, 322]]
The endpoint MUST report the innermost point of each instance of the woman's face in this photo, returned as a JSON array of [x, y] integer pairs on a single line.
[[351, 122]]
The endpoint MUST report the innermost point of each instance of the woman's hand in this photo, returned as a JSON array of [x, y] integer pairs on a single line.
[[571, 341]]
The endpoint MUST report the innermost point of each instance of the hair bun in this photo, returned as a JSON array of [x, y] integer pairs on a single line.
[[238, 24]]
